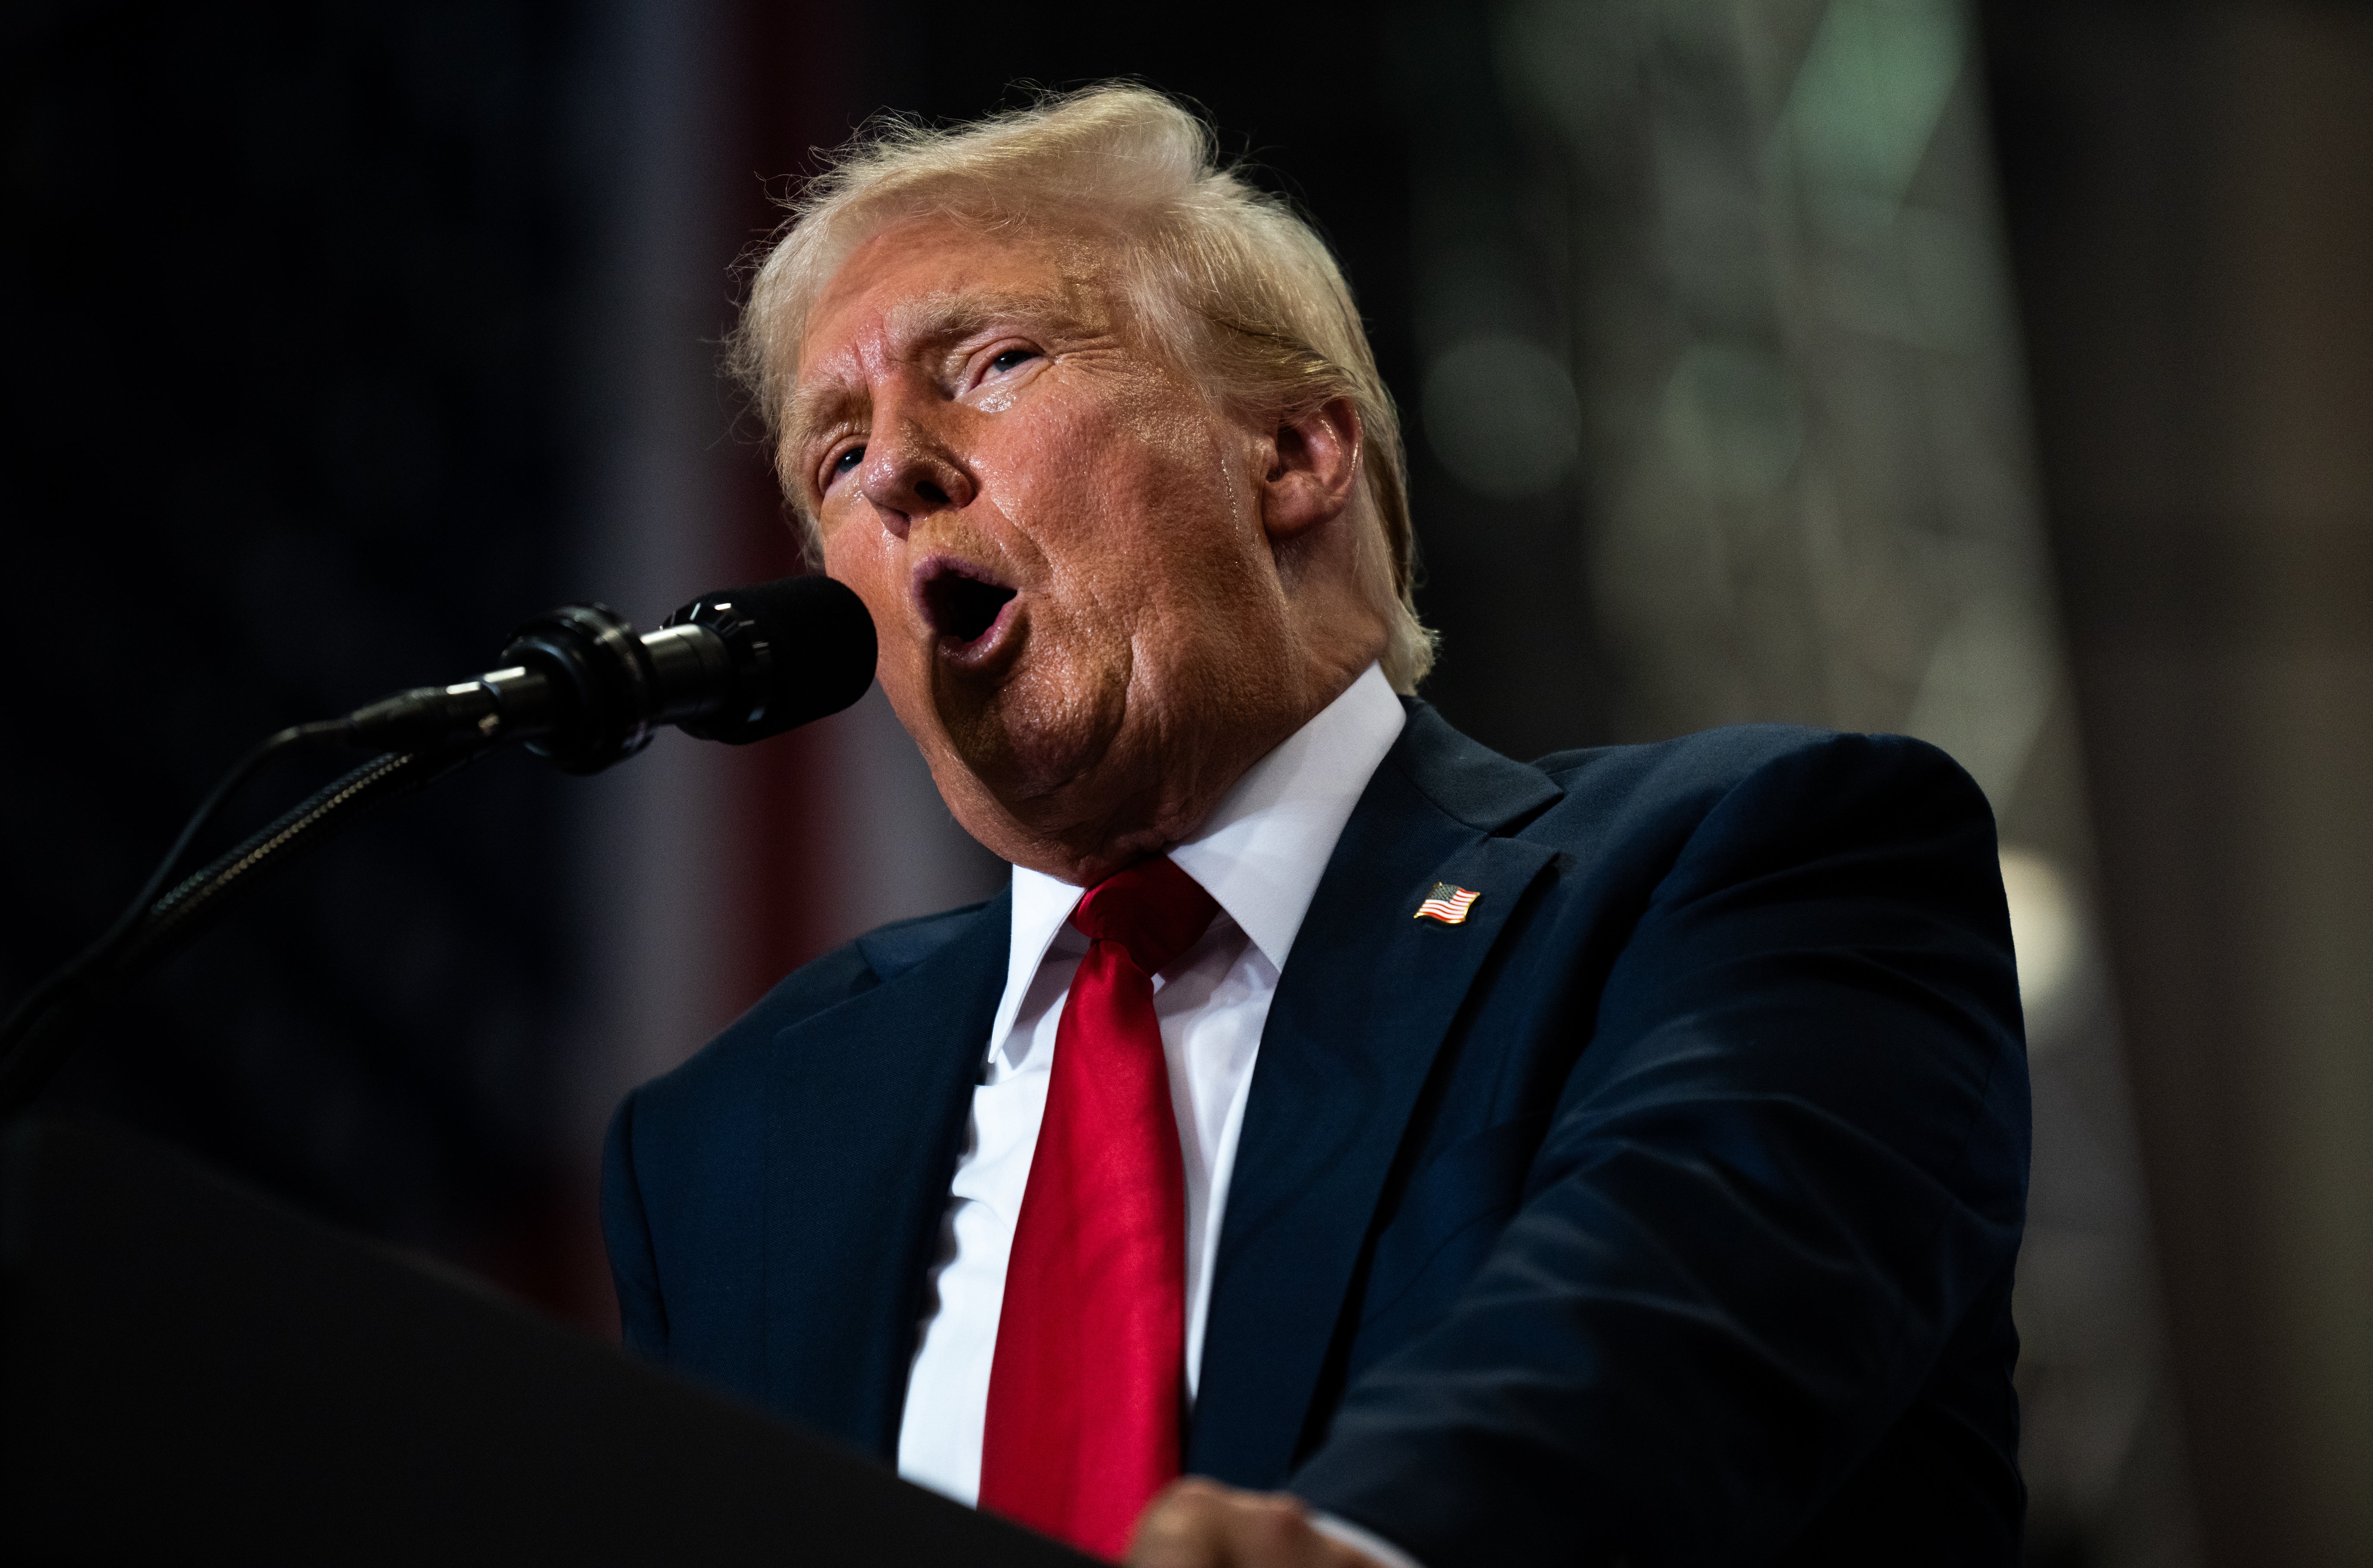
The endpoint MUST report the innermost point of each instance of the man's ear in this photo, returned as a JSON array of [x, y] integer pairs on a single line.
[[1314, 469]]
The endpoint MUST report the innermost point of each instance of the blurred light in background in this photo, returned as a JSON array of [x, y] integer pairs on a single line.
[[1730, 423], [2051, 940], [1501, 415], [2189, 195], [2047, 930], [1762, 238]]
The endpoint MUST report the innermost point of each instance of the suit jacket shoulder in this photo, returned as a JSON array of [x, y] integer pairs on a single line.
[[812, 1129], [1717, 1175], [718, 1076]]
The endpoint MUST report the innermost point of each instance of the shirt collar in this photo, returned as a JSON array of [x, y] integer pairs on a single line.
[[1261, 852]]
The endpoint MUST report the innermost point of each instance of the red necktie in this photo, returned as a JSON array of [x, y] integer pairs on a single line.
[[1087, 1390]]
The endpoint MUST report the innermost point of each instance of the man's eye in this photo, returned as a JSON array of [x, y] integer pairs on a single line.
[[1012, 358], [847, 462]]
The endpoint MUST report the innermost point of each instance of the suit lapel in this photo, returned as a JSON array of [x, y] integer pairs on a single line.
[[867, 1111], [1367, 996]]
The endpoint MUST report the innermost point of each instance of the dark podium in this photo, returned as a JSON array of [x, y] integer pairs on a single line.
[[191, 1369]]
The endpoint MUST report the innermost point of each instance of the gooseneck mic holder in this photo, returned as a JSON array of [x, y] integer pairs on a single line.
[[43, 1031], [577, 686]]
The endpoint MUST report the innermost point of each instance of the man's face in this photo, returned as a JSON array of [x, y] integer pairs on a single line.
[[1059, 538]]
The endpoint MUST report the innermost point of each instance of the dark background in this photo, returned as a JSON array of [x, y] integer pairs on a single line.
[[289, 335], [314, 386]]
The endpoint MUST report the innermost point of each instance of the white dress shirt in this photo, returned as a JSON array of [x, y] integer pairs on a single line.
[[1259, 855]]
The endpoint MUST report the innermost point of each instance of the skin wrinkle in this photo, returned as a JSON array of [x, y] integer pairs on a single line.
[[823, 407], [1186, 576]]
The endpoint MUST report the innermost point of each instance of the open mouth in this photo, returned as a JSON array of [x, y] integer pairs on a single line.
[[962, 608]]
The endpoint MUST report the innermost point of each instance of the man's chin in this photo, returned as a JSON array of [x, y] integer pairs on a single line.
[[1031, 747]]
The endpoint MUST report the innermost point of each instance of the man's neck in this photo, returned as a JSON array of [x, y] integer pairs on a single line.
[[1177, 804]]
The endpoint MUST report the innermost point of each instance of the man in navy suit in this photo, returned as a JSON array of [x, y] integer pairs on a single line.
[[1617, 1158]]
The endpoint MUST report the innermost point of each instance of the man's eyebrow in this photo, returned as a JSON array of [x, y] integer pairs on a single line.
[[921, 324]]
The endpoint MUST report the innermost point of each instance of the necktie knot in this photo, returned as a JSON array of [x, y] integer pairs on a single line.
[[1154, 909]]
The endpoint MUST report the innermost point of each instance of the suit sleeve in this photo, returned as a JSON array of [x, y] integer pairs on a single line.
[[626, 1229], [1787, 1165]]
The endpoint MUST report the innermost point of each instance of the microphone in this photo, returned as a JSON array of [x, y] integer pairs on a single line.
[[583, 689]]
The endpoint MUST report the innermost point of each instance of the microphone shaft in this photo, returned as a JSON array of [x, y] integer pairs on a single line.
[[689, 671]]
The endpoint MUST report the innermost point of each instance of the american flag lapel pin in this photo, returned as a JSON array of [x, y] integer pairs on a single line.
[[1447, 904]]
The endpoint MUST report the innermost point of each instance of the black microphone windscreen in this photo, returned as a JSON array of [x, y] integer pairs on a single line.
[[823, 643]]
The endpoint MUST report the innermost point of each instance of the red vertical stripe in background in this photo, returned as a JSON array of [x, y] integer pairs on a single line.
[[795, 67]]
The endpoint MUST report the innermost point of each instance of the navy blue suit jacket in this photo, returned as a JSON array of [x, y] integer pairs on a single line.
[[1663, 1211]]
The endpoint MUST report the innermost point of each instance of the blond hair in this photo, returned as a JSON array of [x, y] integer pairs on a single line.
[[1234, 283]]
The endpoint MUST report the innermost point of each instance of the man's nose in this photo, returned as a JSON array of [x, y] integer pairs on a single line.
[[912, 475]]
